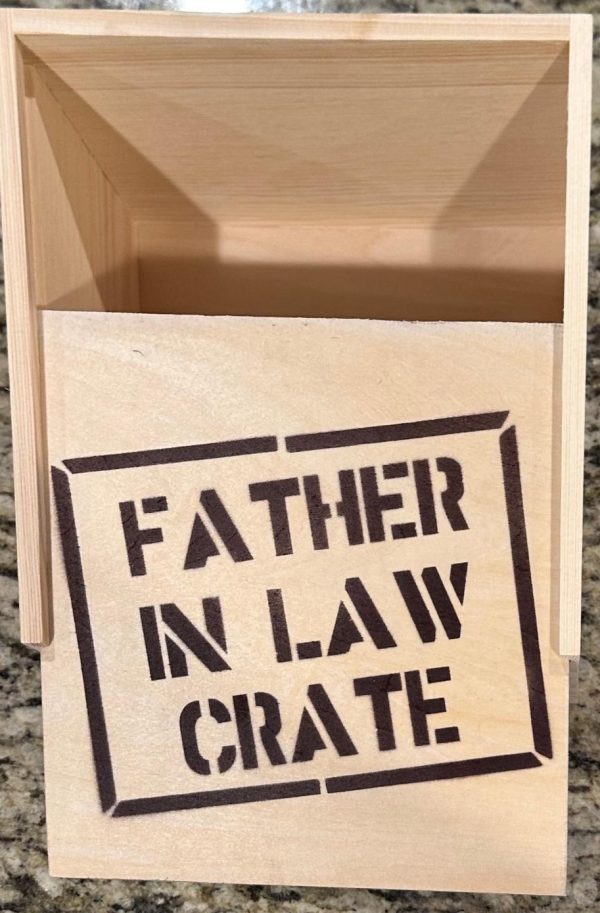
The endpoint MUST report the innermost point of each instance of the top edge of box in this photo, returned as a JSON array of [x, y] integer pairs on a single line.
[[339, 26]]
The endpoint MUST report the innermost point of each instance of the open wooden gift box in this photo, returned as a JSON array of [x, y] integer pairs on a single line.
[[399, 168]]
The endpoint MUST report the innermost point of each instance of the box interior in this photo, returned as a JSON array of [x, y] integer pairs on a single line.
[[406, 180]]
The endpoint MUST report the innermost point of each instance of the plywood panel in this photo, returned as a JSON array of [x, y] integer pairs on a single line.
[[216, 409]]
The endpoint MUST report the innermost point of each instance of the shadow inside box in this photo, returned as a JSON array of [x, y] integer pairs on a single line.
[[210, 286]]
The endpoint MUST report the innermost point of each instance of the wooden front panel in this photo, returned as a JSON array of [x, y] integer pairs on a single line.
[[305, 572]]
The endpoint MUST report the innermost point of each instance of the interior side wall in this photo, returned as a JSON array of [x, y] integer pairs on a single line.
[[79, 230]]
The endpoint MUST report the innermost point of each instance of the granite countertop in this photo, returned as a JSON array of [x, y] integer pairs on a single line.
[[24, 881]]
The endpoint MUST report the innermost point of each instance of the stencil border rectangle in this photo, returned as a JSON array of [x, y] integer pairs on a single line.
[[302, 443]]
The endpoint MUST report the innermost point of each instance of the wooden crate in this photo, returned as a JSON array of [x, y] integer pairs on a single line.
[[210, 181]]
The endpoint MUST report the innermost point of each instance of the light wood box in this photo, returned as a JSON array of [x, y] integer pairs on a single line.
[[405, 168], [164, 161]]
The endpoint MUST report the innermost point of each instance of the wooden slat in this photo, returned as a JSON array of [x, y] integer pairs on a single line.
[[360, 27], [23, 359], [573, 375]]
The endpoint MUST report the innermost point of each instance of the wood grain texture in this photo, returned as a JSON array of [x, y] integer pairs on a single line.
[[24, 362], [370, 270], [80, 232], [186, 381], [378, 27], [273, 135], [341, 203], [576, 282]]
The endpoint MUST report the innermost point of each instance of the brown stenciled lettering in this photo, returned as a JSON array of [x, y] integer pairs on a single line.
[[275, 493], [136, 537]]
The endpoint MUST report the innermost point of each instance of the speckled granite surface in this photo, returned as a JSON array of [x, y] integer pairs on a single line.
[[24, 882]]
